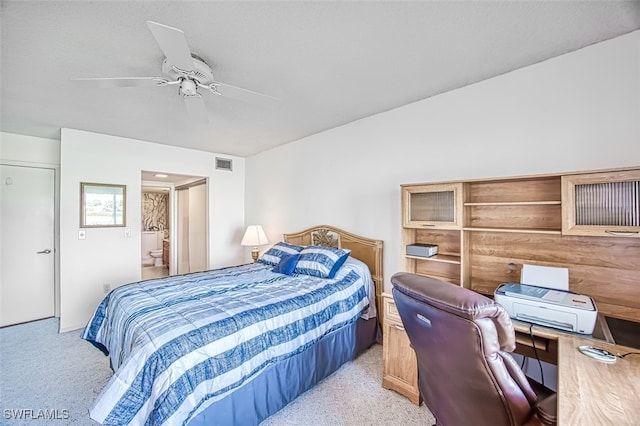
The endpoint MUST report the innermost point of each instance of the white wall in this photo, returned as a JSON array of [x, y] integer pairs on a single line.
[[579, 111], [30, 151], [106, 256]]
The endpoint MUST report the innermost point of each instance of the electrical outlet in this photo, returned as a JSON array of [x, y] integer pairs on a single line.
[[106, 288]]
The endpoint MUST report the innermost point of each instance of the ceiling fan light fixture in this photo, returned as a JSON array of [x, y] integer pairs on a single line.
[[188, 87]]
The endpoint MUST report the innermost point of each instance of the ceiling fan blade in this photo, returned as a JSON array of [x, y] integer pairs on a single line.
[[239, 93], [123, 82], [196, 108], [174, 45]]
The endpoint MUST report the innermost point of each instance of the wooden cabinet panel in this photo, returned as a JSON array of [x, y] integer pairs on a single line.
[[601, 204], [607, 268], [614, 253], [437, 205], [448, 241], [400, 369], [441, 270]]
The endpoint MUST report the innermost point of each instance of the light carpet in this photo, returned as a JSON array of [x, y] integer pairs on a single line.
[[43, 372]]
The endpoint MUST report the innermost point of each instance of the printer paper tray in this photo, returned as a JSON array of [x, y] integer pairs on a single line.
[[545, 317]]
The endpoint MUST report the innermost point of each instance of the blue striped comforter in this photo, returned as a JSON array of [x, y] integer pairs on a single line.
[[178, 344]]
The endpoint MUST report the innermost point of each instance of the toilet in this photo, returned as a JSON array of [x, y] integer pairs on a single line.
[[152, 248], [157, 256]]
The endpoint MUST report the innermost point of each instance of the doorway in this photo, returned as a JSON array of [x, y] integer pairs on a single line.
[[174, 209], [27, 251], [156, 226]]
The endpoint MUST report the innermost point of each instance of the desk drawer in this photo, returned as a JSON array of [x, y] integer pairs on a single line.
[[391, 311], [539, 342], [545, 349]]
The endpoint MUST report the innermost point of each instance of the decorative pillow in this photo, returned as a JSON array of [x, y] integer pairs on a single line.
[[321, 262], [287, 264], [275, 253]]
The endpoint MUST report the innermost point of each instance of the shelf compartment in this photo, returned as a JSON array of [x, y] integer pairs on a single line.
[[525, 190], [448, 241], [520, 216], [444, 271]]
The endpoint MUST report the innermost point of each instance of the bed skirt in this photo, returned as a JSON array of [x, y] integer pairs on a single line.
[[282, 382]]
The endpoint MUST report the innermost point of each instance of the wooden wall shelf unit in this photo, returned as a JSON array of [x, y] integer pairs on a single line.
[[487, 229]]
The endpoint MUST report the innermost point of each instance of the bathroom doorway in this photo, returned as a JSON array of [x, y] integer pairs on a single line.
[[167, 224], [156, 229]]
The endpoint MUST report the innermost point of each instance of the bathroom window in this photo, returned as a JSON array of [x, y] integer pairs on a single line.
[[102, 205]]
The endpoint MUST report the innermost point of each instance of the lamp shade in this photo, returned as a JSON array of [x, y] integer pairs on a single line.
[[254, 236]]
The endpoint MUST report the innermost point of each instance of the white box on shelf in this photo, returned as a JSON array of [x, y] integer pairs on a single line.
[[422, 250]]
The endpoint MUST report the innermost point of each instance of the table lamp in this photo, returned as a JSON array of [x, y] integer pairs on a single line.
[[254, 236]]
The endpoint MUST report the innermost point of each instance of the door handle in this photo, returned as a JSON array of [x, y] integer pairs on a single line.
[[45, 251], [622, 233]]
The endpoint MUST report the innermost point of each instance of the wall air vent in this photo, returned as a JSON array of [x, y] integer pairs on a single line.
[[224, 164]]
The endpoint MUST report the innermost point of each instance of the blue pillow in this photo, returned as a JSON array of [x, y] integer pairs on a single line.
[[275, 253], [322, 262], [287, 264]]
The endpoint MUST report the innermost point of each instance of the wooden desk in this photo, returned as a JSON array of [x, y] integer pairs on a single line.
[[591, 392]]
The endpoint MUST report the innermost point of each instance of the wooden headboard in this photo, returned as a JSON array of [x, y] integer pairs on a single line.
[[364, 249]]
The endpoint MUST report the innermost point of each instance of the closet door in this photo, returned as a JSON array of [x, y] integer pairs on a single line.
[[182, 233], [197, 228], [192, 229], [27, 255]]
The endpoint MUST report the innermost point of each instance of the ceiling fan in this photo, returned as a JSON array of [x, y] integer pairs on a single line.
[[183, 69]]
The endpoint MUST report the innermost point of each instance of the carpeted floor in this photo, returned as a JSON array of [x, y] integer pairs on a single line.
[[43, 372]]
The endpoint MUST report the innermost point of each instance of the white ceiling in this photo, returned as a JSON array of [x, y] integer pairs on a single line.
[[329, 63]]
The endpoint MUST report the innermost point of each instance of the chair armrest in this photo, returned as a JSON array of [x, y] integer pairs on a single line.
[[547, 409]]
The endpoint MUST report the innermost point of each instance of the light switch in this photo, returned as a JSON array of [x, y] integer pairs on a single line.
[[127, 232], [82, 234]]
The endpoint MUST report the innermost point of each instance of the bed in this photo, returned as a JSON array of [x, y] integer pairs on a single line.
[[234, 345]]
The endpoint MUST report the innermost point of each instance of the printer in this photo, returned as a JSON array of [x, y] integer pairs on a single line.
[[548, 307]]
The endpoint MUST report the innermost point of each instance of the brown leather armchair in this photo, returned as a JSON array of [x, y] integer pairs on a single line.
[[462, 341]]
